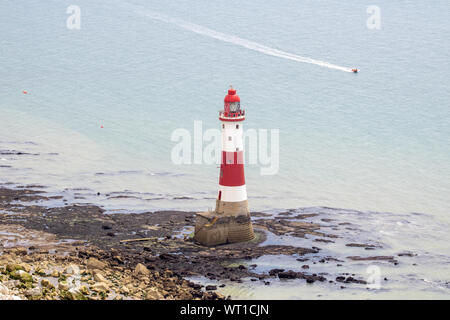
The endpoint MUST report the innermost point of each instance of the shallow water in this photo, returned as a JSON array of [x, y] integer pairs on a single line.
[[377, 140], [424, 275]]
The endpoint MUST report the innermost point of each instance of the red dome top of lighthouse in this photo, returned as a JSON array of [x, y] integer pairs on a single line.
[[232, 107], [232, 96]]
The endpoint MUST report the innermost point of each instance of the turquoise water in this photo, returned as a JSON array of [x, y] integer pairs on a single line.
[[377, 140]]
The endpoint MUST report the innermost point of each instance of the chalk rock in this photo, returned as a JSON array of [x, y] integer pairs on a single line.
[[13, 267], [72, 269], [4, 290], [33, 293], [94, 263], [153, 294], [99, 277], [45, 283], [75, 294], [25, 266], [100, 287], [141, 270]]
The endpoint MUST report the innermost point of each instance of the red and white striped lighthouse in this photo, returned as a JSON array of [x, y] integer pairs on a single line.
[[230, 221], [232, 180]]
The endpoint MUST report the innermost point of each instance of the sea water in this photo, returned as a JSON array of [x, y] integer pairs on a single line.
[[103, 101]]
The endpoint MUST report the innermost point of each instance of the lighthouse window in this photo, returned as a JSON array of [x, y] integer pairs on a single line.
[[230, 138], [223, 126], [235, 106], [237, 126]]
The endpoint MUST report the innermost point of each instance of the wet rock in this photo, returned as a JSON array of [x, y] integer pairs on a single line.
[[167, 256], [324, 240], [288, 275], [195, 285], [274, 272], [210, 287], [349, 280], [406, 254], [363, 245], [374, 258]]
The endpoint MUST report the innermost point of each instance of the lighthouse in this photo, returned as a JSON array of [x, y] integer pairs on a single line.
[[230, 221]]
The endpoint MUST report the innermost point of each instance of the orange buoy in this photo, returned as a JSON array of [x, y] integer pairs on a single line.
[[25, 92]]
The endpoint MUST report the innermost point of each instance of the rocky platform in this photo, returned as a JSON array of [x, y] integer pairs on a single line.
[[143, 256]]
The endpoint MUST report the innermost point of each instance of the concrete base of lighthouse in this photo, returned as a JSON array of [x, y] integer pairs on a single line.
[[229, 223]]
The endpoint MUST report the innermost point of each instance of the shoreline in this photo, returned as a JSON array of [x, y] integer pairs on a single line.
[[76, 234]]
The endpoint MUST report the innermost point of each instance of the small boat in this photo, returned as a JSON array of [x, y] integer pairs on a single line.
[[355, 70]]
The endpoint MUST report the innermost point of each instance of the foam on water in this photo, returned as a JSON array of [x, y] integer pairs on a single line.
[[234, 39]]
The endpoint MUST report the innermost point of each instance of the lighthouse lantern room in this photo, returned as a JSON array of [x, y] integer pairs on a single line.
[[230, 221]]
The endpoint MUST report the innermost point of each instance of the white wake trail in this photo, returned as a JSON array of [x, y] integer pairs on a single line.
[[234, 40]]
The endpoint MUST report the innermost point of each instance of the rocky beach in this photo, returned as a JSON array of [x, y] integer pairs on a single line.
[[79, 251]]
